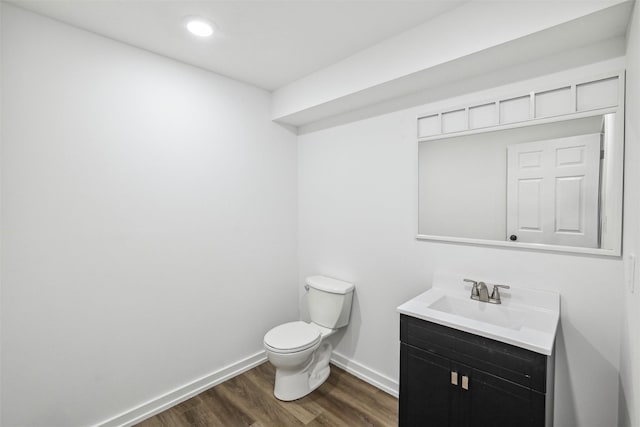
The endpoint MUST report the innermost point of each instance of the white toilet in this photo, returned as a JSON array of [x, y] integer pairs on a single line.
[[298, 350]]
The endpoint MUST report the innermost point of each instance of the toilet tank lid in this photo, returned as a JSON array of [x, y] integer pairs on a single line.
[[327, 284]]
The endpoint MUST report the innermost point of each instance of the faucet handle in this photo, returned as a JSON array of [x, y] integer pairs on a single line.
[[495, 294], [474, 287]]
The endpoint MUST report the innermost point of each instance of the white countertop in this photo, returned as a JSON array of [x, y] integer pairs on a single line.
[[527, 318]]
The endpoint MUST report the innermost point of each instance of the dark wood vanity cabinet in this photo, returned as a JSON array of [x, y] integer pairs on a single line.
[[451, 378]]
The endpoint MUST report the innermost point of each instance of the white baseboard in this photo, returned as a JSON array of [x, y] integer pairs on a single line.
[[172, 398], [366, 374], [180, 394]]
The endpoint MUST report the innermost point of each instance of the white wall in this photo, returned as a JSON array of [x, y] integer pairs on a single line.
[[358, 212], [148, 223], [630, 352]]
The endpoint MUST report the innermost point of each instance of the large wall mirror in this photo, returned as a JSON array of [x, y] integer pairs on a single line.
[[555, 185]]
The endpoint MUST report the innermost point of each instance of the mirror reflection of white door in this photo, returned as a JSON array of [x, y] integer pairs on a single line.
[[552, 191]]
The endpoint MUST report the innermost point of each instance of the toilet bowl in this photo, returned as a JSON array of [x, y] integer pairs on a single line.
[[299, 350], [300, 356]]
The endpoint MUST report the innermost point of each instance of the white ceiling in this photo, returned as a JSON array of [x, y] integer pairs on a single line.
[[265, 43]]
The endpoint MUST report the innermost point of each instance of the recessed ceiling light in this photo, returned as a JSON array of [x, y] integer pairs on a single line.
[[199, 27]]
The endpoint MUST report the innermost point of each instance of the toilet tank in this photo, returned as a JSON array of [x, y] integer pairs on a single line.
[[329, 301]]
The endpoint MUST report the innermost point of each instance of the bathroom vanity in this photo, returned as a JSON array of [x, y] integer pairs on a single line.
[[540, 169], [466, 363], [454, 378]]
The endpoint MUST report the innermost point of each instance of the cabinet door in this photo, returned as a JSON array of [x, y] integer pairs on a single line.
[[425, 389], [460, 396], [497, 402]]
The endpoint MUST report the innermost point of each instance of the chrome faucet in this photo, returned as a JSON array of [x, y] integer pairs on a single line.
[[483, 292], [480, 292]]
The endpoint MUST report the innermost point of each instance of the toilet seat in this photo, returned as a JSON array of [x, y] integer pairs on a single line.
[[292, 337]]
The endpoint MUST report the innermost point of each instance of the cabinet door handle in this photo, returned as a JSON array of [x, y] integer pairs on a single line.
[[465, 382], [454, 378]]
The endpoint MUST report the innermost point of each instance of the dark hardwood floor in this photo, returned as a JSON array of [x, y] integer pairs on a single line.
[[247, 400]]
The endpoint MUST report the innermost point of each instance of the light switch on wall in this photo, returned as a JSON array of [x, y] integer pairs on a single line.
[[631, 272]]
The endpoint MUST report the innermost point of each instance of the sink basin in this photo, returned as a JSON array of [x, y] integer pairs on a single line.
[[499, 315], [527, 318]]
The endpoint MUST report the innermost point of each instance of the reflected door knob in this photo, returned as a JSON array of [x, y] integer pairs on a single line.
[[513, 237]]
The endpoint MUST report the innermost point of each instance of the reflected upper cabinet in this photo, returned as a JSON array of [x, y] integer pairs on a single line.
[[542, 170]]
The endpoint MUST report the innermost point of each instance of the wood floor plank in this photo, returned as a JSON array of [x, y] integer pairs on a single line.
[[330, 419], [202, 416], [379, 408], [387, 404], [171, 418], [151, 422], [247, 401], [226, 409], [242, 391], [305, 409], [187, 404], [342, 411]]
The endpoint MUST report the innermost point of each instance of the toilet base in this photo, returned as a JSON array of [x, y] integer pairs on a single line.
[[295, 384]]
